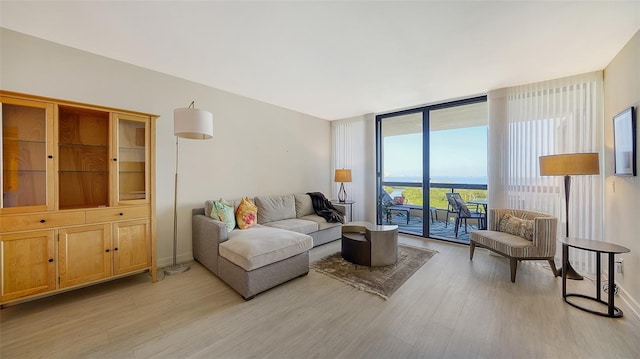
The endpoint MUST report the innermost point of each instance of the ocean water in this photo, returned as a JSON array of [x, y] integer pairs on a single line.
[[440, 179]]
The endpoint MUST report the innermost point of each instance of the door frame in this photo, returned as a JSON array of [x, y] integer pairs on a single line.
[[426, 175]]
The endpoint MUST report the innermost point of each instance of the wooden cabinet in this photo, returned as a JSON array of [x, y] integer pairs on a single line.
[[27, 155], [132, 154], [27, 264], [84, 254], [77, 195], [131, 241]]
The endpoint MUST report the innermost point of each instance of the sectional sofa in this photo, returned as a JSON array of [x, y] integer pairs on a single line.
[[267, 254]]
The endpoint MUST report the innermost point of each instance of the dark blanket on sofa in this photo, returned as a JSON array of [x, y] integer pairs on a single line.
[[323, 208]]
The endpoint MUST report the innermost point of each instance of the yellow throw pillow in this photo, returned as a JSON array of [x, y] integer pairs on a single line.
[[517, 226], [223, 211], [246, 214]]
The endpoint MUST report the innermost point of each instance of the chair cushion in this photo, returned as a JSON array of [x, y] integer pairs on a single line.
[[464, 210], [506, 243], [259, 246], [517, 226]]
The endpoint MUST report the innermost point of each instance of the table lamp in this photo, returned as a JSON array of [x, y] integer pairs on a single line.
[[342, 176]]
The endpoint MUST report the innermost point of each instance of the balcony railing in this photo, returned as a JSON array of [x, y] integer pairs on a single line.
[[412, 222]]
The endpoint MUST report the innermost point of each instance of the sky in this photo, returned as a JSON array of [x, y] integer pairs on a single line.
[[454, 153]]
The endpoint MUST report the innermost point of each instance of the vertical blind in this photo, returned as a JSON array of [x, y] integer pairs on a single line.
[[348, 152], [545, 118]]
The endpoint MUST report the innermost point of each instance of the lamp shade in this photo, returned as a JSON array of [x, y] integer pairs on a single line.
[[570, 164], [343, 176], [192, 123]]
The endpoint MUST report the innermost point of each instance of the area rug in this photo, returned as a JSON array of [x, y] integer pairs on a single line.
[[382, 281]]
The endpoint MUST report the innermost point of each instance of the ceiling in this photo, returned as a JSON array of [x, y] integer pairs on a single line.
[[340, 59]]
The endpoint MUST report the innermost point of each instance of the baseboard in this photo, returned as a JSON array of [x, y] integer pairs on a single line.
[[167, 261], [625, 297]]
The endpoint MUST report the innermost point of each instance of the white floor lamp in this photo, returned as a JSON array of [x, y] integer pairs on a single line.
[[197, 125]]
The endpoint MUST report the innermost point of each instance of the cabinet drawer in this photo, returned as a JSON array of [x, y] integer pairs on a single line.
[[118, 214], [12, 223]]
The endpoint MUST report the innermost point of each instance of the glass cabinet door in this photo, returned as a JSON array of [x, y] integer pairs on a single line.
[[27, 155], [132, 158], [83, 158]]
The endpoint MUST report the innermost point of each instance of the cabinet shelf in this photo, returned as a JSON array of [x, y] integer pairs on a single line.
[[25, 171], [82, 145], [13, 140], [82, 171]]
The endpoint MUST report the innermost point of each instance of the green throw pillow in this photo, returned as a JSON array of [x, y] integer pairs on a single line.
[[517, 226], [223, 211]]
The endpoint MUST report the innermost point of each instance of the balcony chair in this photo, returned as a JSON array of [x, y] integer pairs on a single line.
[[450, 208], [462, 213], [524, 235]]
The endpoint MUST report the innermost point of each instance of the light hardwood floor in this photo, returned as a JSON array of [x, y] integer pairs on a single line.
[[451, 307]]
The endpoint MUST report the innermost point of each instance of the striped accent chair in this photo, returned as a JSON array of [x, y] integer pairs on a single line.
[[504, 238]]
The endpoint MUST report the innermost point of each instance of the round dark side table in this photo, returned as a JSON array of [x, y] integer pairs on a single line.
[[598, 247]]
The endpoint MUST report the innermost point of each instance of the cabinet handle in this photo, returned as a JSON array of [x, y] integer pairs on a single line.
[[115, 249], [108, 250], [115, 159], [42, 221], [122, 214], [50, 156], [50, 260]]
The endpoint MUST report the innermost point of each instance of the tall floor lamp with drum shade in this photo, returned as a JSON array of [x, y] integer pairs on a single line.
[[194, 124], [567, 165]]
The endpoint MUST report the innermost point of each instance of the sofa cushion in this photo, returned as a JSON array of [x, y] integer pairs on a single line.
[[275, 208], [517, 226], [322, 223], [223, 211], [296, 225], [208, 206], [259, 246], [246, 214], [304, 206]]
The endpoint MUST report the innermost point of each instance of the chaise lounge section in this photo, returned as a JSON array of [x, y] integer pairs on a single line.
[[267, 254]]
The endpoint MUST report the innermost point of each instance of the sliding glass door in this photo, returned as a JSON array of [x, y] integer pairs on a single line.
[[400, 181], [426, 154]]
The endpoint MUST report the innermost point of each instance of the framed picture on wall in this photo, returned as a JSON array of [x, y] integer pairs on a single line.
[[624, 143]]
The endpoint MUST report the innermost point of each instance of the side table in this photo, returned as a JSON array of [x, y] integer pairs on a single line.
[[370, 245], [346, 203], [598, 247]]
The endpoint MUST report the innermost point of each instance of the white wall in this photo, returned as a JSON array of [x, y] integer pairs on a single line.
[[622, 194], [257, 148]]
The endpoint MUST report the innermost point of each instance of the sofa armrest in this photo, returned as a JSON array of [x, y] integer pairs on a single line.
[[207, 234], [341, 208], [204, 226]]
